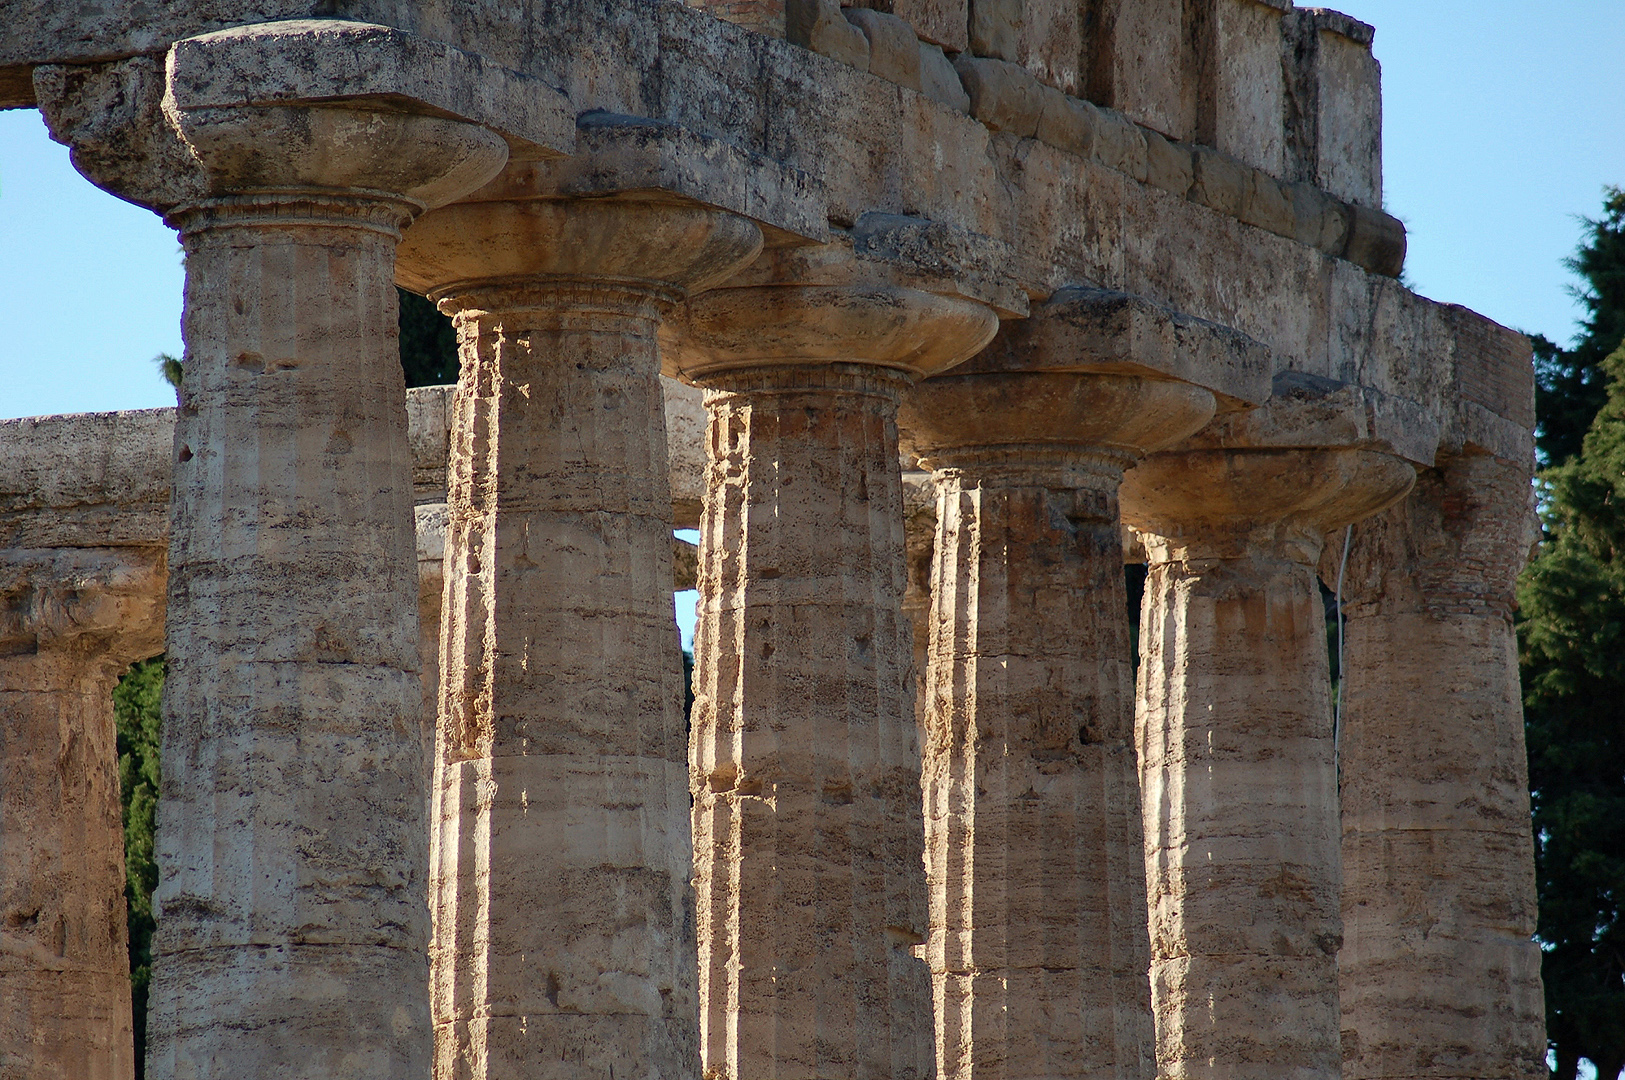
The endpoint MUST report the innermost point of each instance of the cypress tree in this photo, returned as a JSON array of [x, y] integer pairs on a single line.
[[1572, 642]]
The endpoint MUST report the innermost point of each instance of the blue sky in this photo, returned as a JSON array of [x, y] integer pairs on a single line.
[[1503, 121]]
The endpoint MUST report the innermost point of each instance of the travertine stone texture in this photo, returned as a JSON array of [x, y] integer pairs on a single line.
[[1334, 106], [1241, 89], [1034, 845], [894, 51], [292, 929], [81, 597], [564, 921], [685, 441], [1439, 975], [1043, 38], [1234, 730], [804, 760], [939, 22], [1138, 58], [919, 547]]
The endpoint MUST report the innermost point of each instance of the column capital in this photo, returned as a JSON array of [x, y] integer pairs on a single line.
[[1039, 420], [276, 114], [1319, 455], [511, 254], [1223, 504], [912, 332]]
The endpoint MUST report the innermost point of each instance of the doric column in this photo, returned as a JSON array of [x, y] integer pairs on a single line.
[[1236, 747], [805, 764], [564, 918], [292, 930], [1440, 977], [1034, 845], [293, 933], [81, 597]]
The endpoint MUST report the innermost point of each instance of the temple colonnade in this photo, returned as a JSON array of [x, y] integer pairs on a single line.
[[1046, 869]]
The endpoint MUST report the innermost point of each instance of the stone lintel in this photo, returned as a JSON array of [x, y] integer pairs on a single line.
[[1311, 411], [315, 60], [1472, 426], [619, 155], [86, 480], [1086, 329]]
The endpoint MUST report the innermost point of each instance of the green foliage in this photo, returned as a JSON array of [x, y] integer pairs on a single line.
[[169, 368], [137, 716], [428, 343], [1571, 631], [688, 690], [1571, 384]]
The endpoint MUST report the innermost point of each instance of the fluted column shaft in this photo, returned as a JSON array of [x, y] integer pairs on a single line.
[[1240, 805], [75, 619], [804, 758], [1236, 755], [564, 919], [292, 929], [807, 808], [1033, 817], [1034, 844], [292, 934], [1440, 977]]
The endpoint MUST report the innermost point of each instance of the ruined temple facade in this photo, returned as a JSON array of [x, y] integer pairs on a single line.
[[928, 315]]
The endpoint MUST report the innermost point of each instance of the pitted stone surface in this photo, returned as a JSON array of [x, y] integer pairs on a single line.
[[1234, 730], [805, 767], [1034, 840], [71, 620], [563, 915], [292, 927], [804, 764], [1439, 976]]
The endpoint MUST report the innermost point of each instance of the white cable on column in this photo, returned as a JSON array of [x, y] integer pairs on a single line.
[[1337, 709]]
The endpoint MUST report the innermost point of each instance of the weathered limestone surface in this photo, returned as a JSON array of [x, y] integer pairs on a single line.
[[1335, 105], [1034, 842], [292, 928], [1230, 172], [940, 22], [81, 587], [564, 921], [1241, 89], [1235, 742], [293, 678], [869, 145], [804, 762], [1439, 975], [1137, 57]]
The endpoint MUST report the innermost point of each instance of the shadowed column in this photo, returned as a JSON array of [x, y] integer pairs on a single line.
[[1034, 846], [564, 919], [1440, 977], [1236, 753], [72, 620], [805, 766], [1034, 843]]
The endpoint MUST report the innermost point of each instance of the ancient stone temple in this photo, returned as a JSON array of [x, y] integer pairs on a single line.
[[930, 316]]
